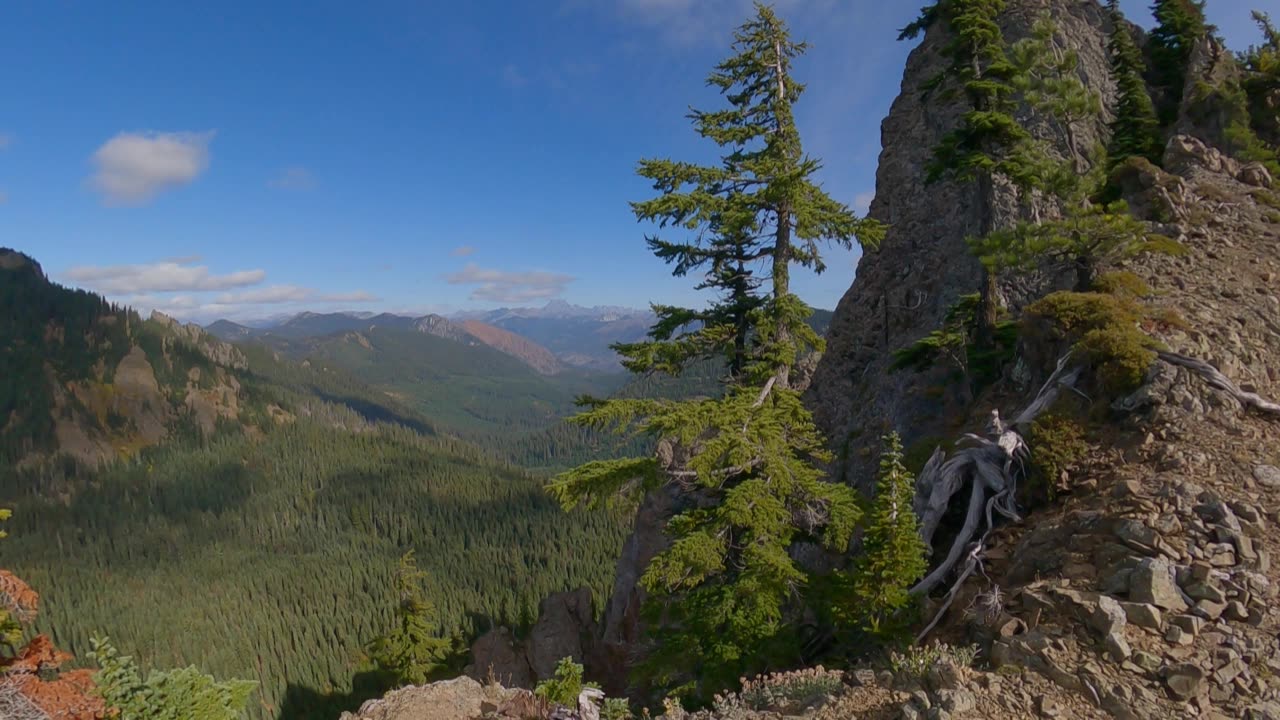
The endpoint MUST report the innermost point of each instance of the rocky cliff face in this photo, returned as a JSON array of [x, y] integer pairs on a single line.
[[902, 292]]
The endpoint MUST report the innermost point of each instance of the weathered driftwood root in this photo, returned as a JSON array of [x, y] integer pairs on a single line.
[[1217, 380], [993, 467]]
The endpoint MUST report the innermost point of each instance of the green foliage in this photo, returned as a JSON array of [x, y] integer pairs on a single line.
[[288, 544], [956, 344], [916, 661], [1122, 282], [985, 142], [616, 709], [1057, 442], [411, 653], [893, 554], [1135, 129], [564, 688], [1104, 330], [1180, 24], [184, 694], [742, 460], [1261, 83], [1086, 238]]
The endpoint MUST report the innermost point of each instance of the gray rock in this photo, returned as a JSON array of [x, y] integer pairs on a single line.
[[1255, 174], [1229, 671], [1205, 591], [1109, 616], [956, 701], [1146, 661], [1185, 680], [1268, 476], [1117, 646], [1189, 624], [1177, 636], [1152, 583], [1143, 615]]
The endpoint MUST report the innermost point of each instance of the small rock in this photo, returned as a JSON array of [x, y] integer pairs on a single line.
[[1268, 476], [1255, 174], [1146, 661], [911, 712], [1185, 680], [1152, 583], [1206, 591], [1109, 616], [1210, 610], [956, 701], [1190, 624], [1143, 615], [1228, 672], [1237, 611], [1177, 636], [1048, 706], [1117, 646]]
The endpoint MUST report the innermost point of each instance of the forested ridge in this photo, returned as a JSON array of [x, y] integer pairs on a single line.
[[264, 546]]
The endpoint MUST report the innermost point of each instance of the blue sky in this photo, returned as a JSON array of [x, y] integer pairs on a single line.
[[245, 159]]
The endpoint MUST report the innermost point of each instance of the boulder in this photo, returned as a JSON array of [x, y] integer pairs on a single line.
[[1255, 174], [1185, 680], [1152, 583]]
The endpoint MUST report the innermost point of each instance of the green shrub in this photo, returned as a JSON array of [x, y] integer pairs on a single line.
[[1122, 355], [1074, 314], [1122, 282], [566, 686], [916, 661], [1057, 443], [183, 694]]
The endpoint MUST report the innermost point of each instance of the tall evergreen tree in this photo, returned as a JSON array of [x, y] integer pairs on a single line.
[[412, 652], [1262, 80], [742, 463], [893, 554], [985, 143], [1135, 130], [1180, 24]]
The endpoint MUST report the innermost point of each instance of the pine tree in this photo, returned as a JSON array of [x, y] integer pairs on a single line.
[[1180, 24], [183, 694], [986, 143], [411, 652], [1135, 131], [742, 462], [1262, 80], [893, 554]]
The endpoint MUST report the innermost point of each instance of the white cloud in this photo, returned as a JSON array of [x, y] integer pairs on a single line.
[[132, 168], [862, 201], [293, 178], [463, 251], [276, 294], [165, 276], [510, 287]]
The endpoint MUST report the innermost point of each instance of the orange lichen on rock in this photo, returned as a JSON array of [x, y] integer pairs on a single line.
[[17, 597], [69, 697]]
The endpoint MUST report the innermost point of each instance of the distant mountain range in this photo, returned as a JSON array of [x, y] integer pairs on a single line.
[[548, 339]]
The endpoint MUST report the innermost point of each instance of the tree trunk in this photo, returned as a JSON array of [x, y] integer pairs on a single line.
[[782, 281], [989, 299], [1085, 274]]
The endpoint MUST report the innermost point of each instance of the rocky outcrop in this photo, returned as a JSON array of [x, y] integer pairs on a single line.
[[565, 627], [902, 292]]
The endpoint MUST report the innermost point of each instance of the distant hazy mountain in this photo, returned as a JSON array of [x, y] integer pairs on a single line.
[[309, 325], [579, 336]]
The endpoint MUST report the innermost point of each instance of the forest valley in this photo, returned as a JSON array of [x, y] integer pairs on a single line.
[[301, 524]]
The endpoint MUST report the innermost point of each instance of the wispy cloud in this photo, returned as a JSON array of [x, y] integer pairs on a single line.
[[293, 178], [276, 294], [132, 168], [510, 287], [463, 251], [166, 276]]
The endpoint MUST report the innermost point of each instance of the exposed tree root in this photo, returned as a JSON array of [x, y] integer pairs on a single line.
[[1217, 380]]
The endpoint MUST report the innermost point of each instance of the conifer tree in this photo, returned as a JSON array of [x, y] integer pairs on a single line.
[[183, 694], [893, 554], [1135, 131], [1180, 24], [412, 652], [1262, 80], [742, 463], [986, 143]]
